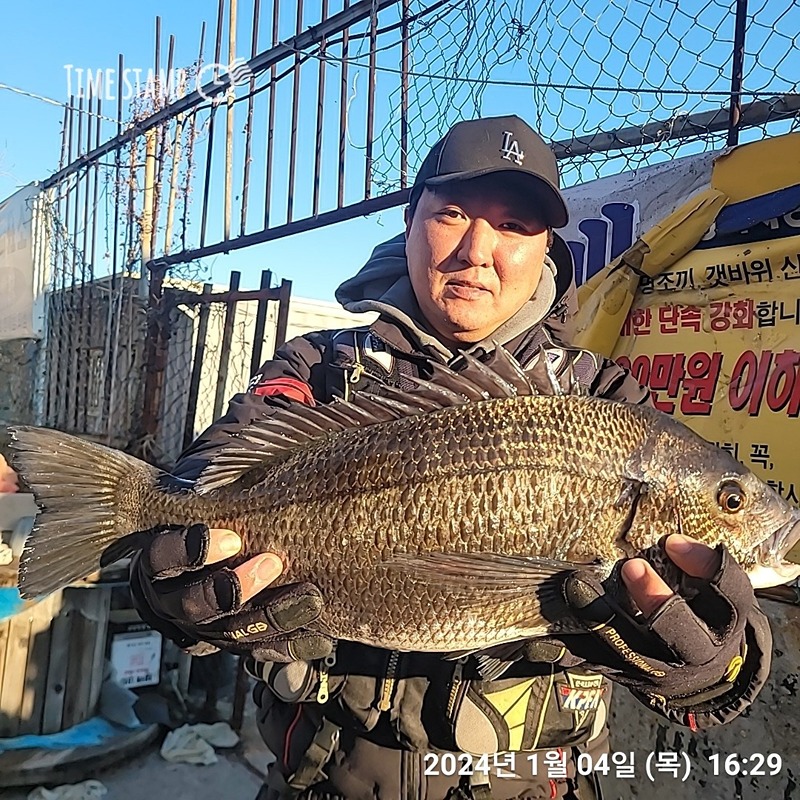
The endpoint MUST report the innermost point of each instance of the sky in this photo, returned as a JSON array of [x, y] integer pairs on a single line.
[[604, 44], [42, 37]]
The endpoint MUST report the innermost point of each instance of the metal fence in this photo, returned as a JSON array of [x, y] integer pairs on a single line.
[[324, 110], [206, 347], [151, 389]]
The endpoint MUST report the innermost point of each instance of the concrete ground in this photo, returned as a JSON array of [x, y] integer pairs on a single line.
[[236, 776], [771, 725]]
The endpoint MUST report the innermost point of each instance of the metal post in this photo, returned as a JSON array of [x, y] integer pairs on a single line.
[[174, 177], [225, 347], [249, 126], [150, 139], [295, 117], [84, 296], [197, 368], [161, 100], [373, 79], [117, 285], [261, 323], [55, 322], [343, 113], [228, 210], [284, 299], [71, 383], [190, 149], [210, 142], [155, 359], [273, 72], [735, 115], [320, 115], [404, 98]]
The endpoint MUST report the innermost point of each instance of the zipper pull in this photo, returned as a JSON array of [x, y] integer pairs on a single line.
[[458, 674], [323, 693], [459, 670], [387, 685], [358, 371]]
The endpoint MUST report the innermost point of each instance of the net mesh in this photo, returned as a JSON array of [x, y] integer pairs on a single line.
[[619, 84]]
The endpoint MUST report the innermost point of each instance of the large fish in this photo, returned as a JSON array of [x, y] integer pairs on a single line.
[[443, 519]]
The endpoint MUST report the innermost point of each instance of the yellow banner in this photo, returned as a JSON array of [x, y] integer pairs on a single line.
[[716, 337]]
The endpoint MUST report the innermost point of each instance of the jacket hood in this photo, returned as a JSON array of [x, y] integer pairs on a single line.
[[383, 285]]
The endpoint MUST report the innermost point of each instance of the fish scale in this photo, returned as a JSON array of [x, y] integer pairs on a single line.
[[431, 527]]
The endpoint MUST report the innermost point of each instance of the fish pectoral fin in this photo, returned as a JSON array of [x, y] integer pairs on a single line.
[[525, 592], [629, 493]]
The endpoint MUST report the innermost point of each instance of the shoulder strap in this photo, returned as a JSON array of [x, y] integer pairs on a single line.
[[310, 768]]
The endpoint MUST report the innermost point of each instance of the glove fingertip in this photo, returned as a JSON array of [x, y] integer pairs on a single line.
[[172, 551], [296, 611], [310, 648], [579, 593]]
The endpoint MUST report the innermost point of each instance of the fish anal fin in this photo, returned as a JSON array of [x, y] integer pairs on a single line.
[[493, 572], [505, 580]]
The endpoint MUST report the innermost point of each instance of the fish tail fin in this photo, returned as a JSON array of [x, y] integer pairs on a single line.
[[89, 496]]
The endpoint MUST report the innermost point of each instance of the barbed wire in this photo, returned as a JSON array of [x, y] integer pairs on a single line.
[[727, 93]]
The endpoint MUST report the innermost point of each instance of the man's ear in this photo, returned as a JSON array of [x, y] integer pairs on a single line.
[[407, 218]]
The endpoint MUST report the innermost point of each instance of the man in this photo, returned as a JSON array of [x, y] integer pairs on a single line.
[[479, 263]]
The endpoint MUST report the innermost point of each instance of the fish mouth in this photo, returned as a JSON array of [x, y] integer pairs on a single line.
[[778, 558], [782, 549]]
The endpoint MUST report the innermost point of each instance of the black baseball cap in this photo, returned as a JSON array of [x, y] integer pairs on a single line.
[[478, 147]]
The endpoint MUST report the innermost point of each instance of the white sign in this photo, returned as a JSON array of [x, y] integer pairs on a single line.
[[19, 289], [608, 215], [136, 658]]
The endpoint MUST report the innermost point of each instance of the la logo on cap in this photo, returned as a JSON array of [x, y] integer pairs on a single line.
[[510, 149]]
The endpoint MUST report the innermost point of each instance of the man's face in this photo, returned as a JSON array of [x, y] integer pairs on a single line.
[[475, 254]]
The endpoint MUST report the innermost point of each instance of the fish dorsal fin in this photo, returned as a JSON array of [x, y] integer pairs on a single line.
[[296, 425]]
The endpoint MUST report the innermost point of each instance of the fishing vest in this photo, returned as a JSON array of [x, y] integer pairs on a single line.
[[312, 713]]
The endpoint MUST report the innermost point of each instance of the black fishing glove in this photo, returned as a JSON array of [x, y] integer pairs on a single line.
[[199, 606], [699, 659]]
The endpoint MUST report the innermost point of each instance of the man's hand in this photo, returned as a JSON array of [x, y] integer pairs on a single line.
[[687, 647], [182, 587]]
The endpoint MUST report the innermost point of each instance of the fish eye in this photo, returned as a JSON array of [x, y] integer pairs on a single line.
[[731, 497]]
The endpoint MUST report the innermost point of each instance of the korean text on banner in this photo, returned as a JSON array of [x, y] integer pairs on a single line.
[[716, 337]]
